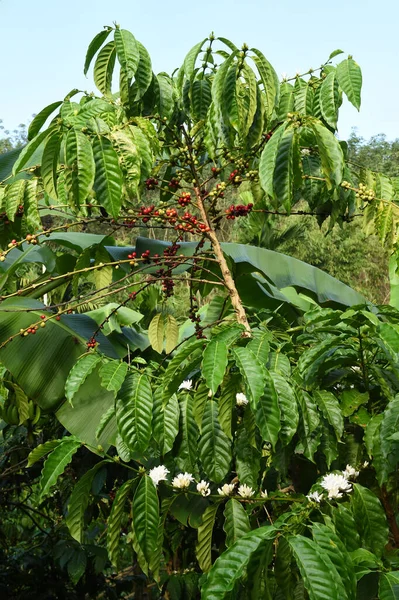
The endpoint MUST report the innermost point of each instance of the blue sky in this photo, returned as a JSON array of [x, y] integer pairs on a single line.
[[44, 44]]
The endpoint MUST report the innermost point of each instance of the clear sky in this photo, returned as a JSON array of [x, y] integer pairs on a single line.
[[44, 43]]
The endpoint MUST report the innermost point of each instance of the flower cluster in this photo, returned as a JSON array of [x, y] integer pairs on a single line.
[[335, 484], [186, 385], [158, 474], [241, 399], [182, 481], [203, 488]]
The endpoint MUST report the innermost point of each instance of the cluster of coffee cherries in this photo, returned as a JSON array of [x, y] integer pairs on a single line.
[[129, 223], [234, 177], [91, 343], [151, 183], [191, 224], [241, 210], [132, 258], [174, 184], [184, 199], [147, 212], [31, 239]]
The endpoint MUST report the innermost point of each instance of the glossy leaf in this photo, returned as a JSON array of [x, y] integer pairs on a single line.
[[108, 178], [331, 156], [80, 167], [165, 422], [112, 375], [236, 522], [188, 450], [49, 166], [94, 46], [55, 464], [134, 411], [370, 519], [319, 574], [329, 100], [127, 51], [349, 77], [214, 364], [214, 445], [330, 408], [230, 566], [389, 586], [79, 372], [41, 450], [146, 516], [115, 521], [79, 501], [39, 120], [252, 373], [288, 407], [204, 543], [268, 161], [104, 67], [267, 414]]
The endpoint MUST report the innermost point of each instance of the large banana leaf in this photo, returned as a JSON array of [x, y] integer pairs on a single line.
[[262, 276], [40, 363]]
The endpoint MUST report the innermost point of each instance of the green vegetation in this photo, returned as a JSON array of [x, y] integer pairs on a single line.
[[184, 416]]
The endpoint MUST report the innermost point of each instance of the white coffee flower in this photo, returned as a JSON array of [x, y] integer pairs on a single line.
[[226, 490], [365, 464], [264, 494], [203, 488], [182, 481], [241, 399], [315, 497], [158, 474], [305, 151], [335, 484], [245, 491], [186, 385], [350, 472]]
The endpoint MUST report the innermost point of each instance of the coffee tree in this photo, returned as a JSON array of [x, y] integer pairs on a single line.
[[230, 414]]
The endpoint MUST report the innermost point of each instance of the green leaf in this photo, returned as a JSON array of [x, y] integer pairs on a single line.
[[329, 99], [146, 516], [335, 53], [214, 364], [171, 333], [260, 346], [389, 426], [388, 588], [287, 160], [201, 98], [55, 464], [331, 155], [231, 565], [127, 51], [143, 75], [79, 501], [41, 450], [318, 572], [236, 521], [188, 452], [108, 183], [332, 546], [80, 167], [204, 543], [134, 411], [112, 375], [227, 402], [370, 519], [267, 413], [79, 372], [174, 365], [252, 373], [103, 274], [104, 68], [345, 527], [115, 521], [94, 46], [49, 166], [330, 408], [106, 418], [201, 397], [267, 161], [166, 422], [191, 57], [14, 197], [39, 120], [288, 407], [349, 77], [156, 332], [77, 565], [214, 445], [270, 81], [29, 150]]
